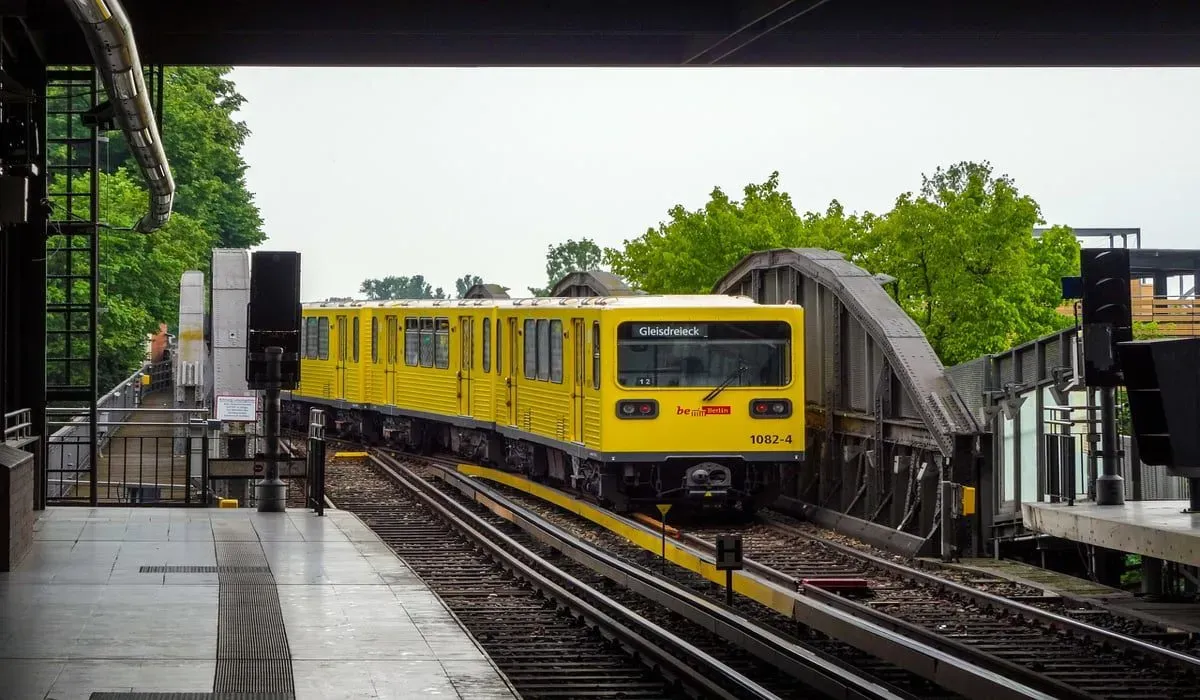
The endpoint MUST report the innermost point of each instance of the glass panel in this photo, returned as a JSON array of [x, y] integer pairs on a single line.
[[704, 354]]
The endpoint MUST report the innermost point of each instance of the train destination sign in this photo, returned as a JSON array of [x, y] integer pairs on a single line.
[[670, 330]]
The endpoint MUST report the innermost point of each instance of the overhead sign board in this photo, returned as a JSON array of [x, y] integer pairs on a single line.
[[237, 409], [254, 469]]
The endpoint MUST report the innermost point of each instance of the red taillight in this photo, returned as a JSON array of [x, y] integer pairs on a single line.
[[770, 408]]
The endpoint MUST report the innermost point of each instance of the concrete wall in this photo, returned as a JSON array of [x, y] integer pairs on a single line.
[[16, 492]]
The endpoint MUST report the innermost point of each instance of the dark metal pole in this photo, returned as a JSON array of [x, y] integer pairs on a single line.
[[272, 493], [1110, 485]]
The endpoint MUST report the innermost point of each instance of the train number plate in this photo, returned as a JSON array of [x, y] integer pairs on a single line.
[[770, 439]]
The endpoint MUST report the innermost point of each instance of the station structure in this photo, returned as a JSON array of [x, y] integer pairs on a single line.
[[104, 498]]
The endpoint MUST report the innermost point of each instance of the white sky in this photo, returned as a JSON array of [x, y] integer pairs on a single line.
[[443, 172]]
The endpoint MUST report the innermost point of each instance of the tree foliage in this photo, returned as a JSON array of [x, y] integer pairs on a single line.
[[969, 269], [567, 257], [463, 284], [393, 287], [140, 274]]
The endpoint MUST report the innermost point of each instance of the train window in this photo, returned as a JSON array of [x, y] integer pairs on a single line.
[[343, 349], [426, 354], [556, 352], [499, 347], [393, 340], [441, 352], [704, 353], [595, 354], [374, 340], [543, 350], [354, 339], [412, 341], [487, 345], [310, 338], [323, 338], [531, 348]]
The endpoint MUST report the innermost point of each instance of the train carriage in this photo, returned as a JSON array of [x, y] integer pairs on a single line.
[[665, 399]]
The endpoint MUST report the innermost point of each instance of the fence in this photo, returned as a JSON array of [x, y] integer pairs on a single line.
[[1174, 317]]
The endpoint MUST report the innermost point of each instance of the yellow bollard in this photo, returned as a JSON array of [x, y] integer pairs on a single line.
[[227, 503]]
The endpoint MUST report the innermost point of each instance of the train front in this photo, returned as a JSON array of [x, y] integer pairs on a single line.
[[710, 407]]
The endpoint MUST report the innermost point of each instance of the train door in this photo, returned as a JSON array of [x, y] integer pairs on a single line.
[[390, 359], [579, 359], [340, 365], [466, 358], [514, 363]]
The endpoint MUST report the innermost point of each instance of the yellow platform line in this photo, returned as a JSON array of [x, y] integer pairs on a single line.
[[772, 596], [350, 455]]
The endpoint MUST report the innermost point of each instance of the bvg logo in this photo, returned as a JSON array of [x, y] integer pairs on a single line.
[[704, 411]]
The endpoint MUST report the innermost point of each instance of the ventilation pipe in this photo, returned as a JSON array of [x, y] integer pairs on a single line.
[[110, 39]]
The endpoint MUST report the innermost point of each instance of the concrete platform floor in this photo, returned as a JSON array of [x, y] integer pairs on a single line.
[[1159, 529], [78, 616]]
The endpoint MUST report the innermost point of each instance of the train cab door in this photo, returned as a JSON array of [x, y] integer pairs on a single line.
[[514, 363], [340, 366], [466, 358], [580, 362], [391, 357]]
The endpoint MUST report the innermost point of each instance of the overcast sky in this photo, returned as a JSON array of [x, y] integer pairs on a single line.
[[443, 172]]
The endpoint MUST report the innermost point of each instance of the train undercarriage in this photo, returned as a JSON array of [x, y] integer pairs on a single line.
[[692, 486]]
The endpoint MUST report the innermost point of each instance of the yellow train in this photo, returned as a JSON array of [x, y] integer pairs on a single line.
[[666, 399]]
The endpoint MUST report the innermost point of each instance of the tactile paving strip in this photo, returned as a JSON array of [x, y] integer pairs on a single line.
[[252, 649]]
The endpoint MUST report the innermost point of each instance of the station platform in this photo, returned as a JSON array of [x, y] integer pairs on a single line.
[[1158, 529], [199, 600]]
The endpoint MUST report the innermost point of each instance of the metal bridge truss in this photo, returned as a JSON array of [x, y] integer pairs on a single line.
[[886, 424]]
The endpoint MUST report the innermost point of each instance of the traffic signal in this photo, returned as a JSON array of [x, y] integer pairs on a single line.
[[273, 316], [1163, 383], [1107, 317]]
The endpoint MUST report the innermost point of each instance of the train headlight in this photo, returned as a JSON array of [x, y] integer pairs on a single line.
[[770, 408], [640, 408]]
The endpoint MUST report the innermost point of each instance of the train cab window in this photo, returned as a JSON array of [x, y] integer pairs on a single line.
[[441, 348], [374, 340], [354, 339], [556, 352], [529, 347], [323, 338], [704, 354], [487, 345], [543, 350], [426, 355], [412, 341], [595, 354], [310, 338]]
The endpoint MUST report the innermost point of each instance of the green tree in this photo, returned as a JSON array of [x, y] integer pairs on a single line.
[[463, 284], [203, 145], [393, 287], [567, 257]]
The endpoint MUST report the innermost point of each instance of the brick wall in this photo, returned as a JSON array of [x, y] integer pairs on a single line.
[[16, 506]]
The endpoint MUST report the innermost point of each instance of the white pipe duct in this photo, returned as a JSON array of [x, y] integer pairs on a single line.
[[110, 39]]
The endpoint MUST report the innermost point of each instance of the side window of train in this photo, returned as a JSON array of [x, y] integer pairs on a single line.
[[426, 335], [310, 338], [374, 340], [393, 340], [556, 352], [323, 338], [499, 346], [529, 348], [487, 345], [441, 348], [412, 341], [354, 339], [595, 354]]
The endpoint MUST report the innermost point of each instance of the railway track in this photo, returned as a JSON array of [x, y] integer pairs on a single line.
[[545, 650], [1078, 656]]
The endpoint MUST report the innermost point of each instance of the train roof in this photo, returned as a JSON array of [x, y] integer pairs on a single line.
[[641, 301]]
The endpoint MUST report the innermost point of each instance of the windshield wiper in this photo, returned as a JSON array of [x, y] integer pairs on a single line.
[[728, 380]]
